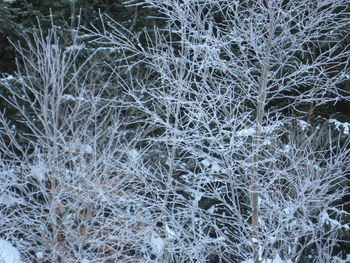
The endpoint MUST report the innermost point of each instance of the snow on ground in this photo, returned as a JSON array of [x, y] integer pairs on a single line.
[[8, 253], [277, 259]]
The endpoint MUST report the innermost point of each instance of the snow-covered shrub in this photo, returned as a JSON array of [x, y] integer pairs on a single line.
[[72, 187], [199, 159], [228, 84]]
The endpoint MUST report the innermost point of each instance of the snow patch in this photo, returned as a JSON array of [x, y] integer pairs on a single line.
[[211, 210], [205, 163], [9, 1], [197, 197], [339, 260], [74, 47], [39, 171], [8, 253], [286, 148], [171, 233], [39, 255], [78, 147], [8, 200], [213, 166], [266, 142], [133, 154], [157, 243], [8, 78], [303, 125], [68, 97], [87, 149], [325, 219], [267, 129], [246, 132], [289, 210], [345, 126]]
